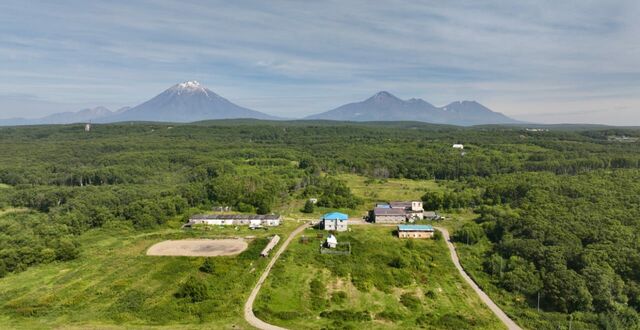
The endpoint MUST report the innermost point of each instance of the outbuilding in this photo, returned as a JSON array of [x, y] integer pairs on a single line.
[[332, 242], [415, 231]]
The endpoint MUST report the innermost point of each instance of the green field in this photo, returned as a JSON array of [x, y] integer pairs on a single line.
[[386, 283], [114, 284]]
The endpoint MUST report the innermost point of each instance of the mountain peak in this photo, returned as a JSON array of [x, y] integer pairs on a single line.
[[383, 96], [192, 84], [191, 87], [188, 101]]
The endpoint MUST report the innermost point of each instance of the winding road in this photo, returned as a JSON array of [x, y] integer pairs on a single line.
[[483, 296], [256, 322], [248, 306]]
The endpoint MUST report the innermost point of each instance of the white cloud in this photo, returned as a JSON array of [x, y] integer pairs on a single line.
[[523, 58]]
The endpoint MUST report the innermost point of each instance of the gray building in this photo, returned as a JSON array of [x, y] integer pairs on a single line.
[[388, 215]]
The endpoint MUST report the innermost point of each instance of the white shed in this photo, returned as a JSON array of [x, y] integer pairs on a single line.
[[458, 146], [332, 242]]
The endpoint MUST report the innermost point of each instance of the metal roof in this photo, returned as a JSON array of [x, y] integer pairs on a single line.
[[415, 228], [335, 216], [400, 205], [236, 217], [386, 211]]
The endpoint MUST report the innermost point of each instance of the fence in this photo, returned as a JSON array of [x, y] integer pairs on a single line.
[[343, 248]]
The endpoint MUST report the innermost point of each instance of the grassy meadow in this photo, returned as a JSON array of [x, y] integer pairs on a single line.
[[386, 283], [114, 284]]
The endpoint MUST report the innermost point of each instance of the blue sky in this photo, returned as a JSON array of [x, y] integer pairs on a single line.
[[543, 61]]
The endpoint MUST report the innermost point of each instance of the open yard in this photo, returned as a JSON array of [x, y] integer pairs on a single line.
[[386, 283], [198, 247]]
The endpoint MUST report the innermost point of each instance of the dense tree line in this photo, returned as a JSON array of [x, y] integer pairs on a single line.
[[572, 239]]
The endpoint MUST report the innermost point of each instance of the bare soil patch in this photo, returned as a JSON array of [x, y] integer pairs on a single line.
[[198, 247]]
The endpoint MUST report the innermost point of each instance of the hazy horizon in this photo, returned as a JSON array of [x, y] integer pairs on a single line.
[[544, 62]]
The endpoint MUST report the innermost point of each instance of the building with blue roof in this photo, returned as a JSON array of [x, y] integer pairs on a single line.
[[335, 221], [415, 231]]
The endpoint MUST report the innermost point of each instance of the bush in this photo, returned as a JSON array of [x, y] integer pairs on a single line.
[[208, 266], [399, 262], [410, 301], [390, 315], [339, 297], [194, 289], [347, 316], [437, 235]]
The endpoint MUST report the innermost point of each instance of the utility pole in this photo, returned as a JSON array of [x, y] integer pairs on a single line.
[[538, 301]]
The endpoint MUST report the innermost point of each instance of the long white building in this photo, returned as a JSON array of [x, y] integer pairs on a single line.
[[253, 220]]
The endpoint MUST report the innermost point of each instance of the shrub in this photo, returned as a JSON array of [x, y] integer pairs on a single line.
[[399, 262], [208, 266], [339, 297], [410, 301], [430, 294], [390, 315], [194, 289], [347, 315]]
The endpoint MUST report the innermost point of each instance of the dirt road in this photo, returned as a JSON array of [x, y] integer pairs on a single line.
[[483, 296], [248, 306]]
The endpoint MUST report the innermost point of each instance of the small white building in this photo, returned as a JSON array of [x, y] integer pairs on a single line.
[[87, 127], [458, 146], [332, 242]]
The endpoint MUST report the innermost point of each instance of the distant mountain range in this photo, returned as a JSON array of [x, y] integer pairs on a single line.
[[190, 101], [82, 116], [384, 106]]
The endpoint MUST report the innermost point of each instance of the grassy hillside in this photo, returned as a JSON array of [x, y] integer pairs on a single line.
[[114, 284], [386, 283]]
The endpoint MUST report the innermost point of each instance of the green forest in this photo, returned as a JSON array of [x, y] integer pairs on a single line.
[[556, 213]]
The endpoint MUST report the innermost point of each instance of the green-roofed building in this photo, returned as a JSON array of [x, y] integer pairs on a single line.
[[415, 231]]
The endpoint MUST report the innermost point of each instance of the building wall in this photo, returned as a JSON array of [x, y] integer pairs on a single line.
[[334, 225], [329, 224], [236, 222], [415, 234], [390, 219]]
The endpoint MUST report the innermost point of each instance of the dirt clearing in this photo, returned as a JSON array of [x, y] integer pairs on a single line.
[[198, 247]]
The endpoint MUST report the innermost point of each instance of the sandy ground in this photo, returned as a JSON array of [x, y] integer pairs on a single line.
[[198, 247]]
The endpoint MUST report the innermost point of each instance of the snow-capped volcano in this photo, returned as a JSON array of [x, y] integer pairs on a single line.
[[188, 101]]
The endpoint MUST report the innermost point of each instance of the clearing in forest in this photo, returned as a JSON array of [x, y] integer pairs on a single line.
[[198, 247]]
